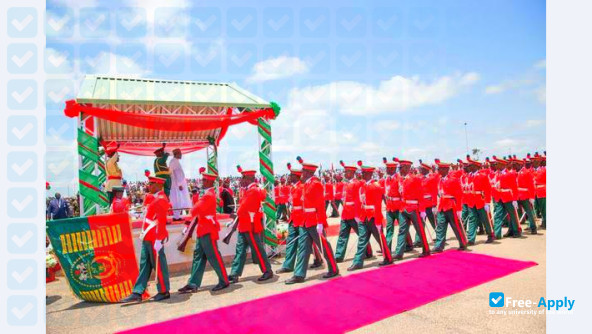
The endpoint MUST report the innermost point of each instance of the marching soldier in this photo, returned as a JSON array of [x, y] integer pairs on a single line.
[[206, 246], [154, 234], [526, 193], [329, 192], [350, 216], [295, 221], [479, 189], [371, 194], [315, 221], [161, 169], [540, 181], [112, 170], [450, 195], [339, 185], [430, 187], [250, 227], [392, 184], [508, 192], [412, 202], [280, 200]]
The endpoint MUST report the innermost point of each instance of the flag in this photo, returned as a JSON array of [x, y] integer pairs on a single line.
[[96, 254]]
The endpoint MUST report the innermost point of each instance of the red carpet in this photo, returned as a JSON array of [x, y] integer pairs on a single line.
[[351, 302]]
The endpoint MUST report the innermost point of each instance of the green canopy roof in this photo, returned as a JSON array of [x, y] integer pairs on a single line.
[[120, 90]]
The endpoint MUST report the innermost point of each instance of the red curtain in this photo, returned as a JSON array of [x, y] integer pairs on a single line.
[[182, 123]]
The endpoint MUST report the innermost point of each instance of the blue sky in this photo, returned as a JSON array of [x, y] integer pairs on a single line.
[[355, 79]]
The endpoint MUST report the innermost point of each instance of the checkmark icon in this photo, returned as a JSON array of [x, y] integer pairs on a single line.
[[22, 168], [496, 300], [20, 97], [20, 241], [21, 61], [22, 205], [20, 25], [22, 276], [21, 312], [22, 132], [58, 24]]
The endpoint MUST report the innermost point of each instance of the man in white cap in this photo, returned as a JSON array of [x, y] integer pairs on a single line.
[[179, 196]]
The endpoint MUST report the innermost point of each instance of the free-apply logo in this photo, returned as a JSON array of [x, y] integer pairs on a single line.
[[496, 299]]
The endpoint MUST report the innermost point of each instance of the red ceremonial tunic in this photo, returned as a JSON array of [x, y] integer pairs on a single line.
[[194, 198], [540, 181], [329, 192], [450, 193], [205, 211], [284, 194], [430, 188], [297, 214], [525, 183], [156, 217], [249, 211], [339, 190], [120, 205], [351, 203], [371, 196], [393, 193], [508, 187], [412, 193], [480, 189], [314, 203]]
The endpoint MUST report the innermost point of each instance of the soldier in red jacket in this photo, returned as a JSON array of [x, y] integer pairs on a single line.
[[313, 229], [479, 188], [392, 196], [449, 208], [329, 192], [526, 192], [507, 189], [430, 198], [540, 183], [412, 205], [371, 194], [350, 216], [250, 227], [339, 184], [119, 204], [154, 234], [206, 246]]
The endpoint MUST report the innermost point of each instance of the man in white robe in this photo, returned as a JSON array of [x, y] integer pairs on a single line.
[[179, 190]]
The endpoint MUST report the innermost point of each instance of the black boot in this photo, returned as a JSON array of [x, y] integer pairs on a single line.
[[161, 296], [437, 250], [490, 239], [295, 279], [133, 298], [283, 270], [316, 264], [266, 275], [354, 267], [220, 286], [398, 257], [188, 289], [233, 279], [329, 275], [424, 254], [385, 263]]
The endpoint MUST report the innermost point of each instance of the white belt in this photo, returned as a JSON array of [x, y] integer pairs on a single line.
[[350, 203], [505, 190], [427, 196], [369, 207], [411, 202], [151, 225], [296, 208], [310, 210], [523, 189], [541, 185], [393, 198], [447, 196]]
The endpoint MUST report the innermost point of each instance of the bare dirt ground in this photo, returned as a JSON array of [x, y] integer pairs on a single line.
[[464, 312]]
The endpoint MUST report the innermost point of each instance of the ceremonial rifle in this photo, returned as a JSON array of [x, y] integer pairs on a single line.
[[186, 235], [234, 224]]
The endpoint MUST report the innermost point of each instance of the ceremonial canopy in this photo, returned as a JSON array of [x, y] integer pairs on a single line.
[[140, 115]]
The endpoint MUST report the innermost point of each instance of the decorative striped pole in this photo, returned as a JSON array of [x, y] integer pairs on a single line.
[[91, 171], [266, 169], [212, 153]]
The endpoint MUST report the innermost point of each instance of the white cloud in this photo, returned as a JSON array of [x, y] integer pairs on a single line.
[[387, 125], [541, 64], [531, 123], [508, 143], [277, 68], [393, 95], [508, 85]]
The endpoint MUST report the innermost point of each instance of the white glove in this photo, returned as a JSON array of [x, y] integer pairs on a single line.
[[157, 245], [422, 215], [320, 228], [486, 207], [531, 202], [515, 204], [358, 220], [459, 214]]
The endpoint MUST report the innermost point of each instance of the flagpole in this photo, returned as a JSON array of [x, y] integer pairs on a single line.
[[466, 138]]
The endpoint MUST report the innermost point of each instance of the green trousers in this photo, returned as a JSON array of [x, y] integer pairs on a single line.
[[282, 211], [542, 203], [148, 262], [465, 215], [345, 228], [167, 184], [291, 247], [514, 226], [405, 219], [206, 250], [499, 215], [431, 218], [391, 216], [478, 217], [258, 254], [338, 202], [365, 229], [310, 236], [446, 218], [527, 207]]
